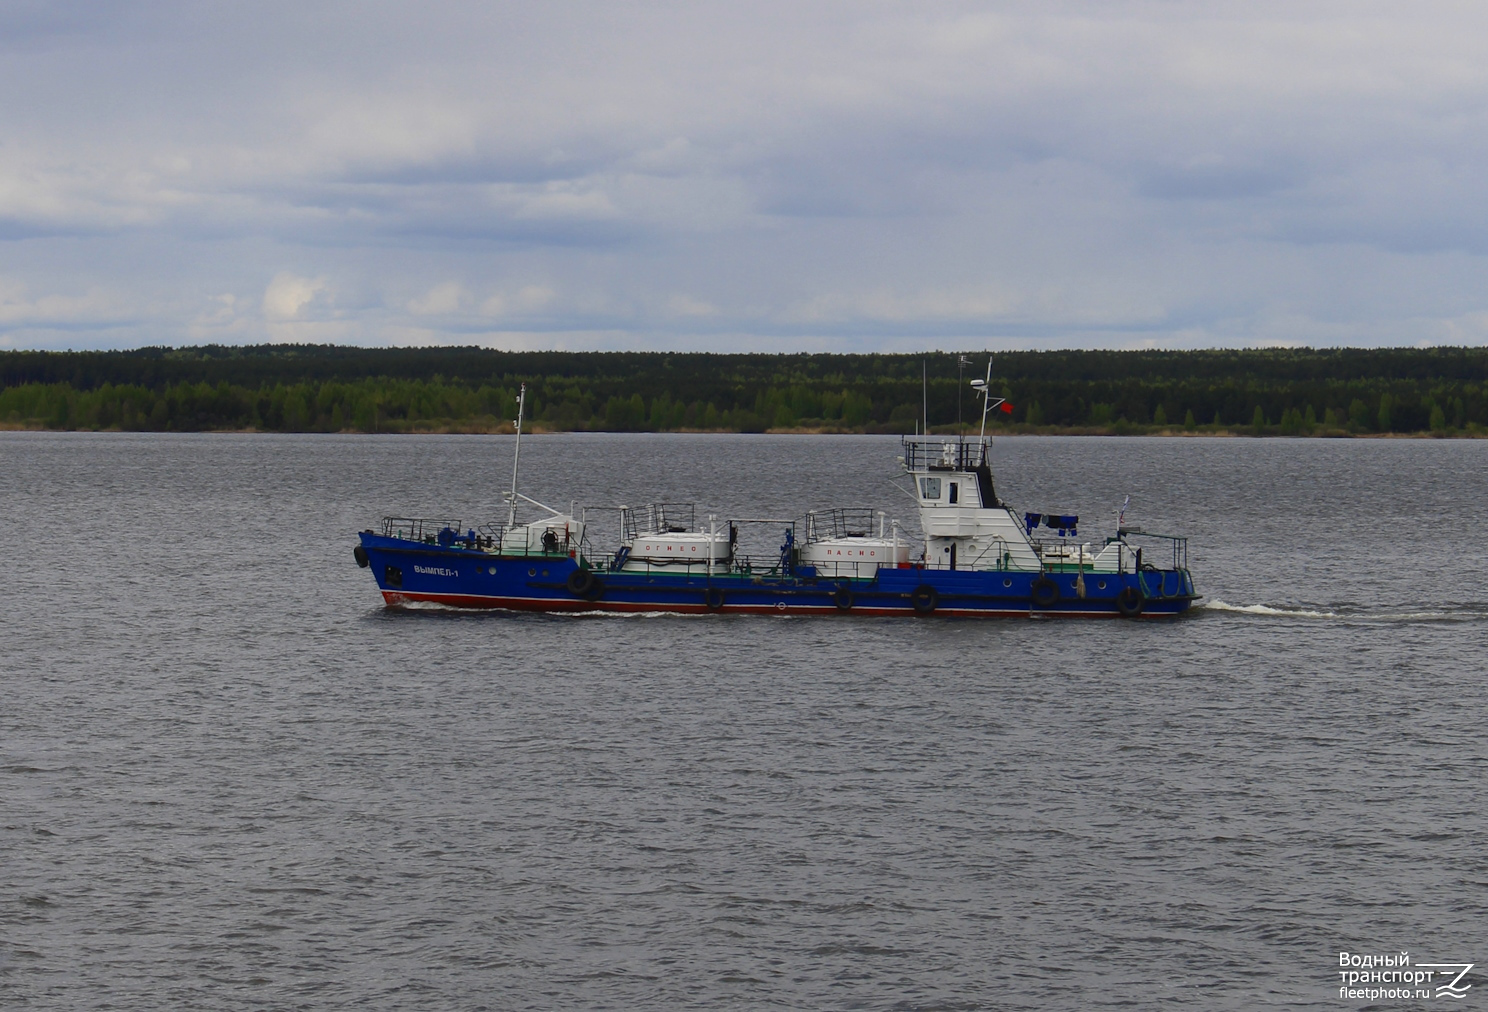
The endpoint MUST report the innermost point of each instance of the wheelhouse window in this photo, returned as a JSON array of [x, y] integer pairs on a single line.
[[930, 488], [955, 492]]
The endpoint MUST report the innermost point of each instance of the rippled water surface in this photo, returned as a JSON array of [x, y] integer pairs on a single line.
[[230, 779]]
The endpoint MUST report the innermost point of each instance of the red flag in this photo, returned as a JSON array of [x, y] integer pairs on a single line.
[[1007, 408]]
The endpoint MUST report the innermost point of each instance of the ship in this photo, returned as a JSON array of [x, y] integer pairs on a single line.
[[975, 554]]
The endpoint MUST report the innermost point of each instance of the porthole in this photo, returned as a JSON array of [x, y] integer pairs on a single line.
[[545, 572], [531, 572], [1007, 581], [1101, 585], [493, 570]]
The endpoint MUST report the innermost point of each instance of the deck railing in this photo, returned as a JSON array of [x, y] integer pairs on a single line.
[[739, 565], [1150, 552], [656, 518], [1167, 547], [424, 529], [950, 453], [842, 522]]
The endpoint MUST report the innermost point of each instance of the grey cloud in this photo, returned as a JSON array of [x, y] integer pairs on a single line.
[[862, 175], [1217, 181]]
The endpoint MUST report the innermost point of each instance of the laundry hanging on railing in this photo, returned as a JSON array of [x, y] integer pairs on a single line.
[[1064, 523]]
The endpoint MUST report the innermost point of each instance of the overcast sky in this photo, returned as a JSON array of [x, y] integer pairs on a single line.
[[743, 176]]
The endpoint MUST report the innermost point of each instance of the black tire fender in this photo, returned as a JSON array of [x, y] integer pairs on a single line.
[[1044, 592], [924, 599], [842, 597], [713, 598], [360, 554], [1129, 602], [583, 583]]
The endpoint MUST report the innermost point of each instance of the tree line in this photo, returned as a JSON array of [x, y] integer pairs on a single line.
[[331, 389]]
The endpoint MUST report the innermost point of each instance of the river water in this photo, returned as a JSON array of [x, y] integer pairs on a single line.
[[232, 780]]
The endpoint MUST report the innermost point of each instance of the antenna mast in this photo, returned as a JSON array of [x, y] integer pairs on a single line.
[[511, 513], [984, 388], [986, 398], [961, 363]]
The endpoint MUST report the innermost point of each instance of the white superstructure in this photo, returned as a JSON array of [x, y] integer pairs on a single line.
[[559, 533], [964, 524], [967, 527]]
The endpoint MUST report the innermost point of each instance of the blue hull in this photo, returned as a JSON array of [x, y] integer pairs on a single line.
[[411, 572]]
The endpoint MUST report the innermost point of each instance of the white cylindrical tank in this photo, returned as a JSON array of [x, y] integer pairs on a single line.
[[853, 557], [682, 547]]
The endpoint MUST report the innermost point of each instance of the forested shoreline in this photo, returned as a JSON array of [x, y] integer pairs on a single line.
[[278, 388]]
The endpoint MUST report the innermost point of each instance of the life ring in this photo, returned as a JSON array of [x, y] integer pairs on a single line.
[[1129, 602], [713, 598], [583, 583], [1045, 592], [843, 598], [924, 599], [360, 555]]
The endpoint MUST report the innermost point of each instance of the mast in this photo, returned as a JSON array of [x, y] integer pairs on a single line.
[[961, 363], [511, 514], [986, 399]]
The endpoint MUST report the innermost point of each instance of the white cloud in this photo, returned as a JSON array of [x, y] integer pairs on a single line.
[[686, 305], [440, 300], [95, 308], [523, 301], [288, 295]]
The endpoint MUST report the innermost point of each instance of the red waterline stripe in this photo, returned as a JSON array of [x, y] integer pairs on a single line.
[[480, 601]]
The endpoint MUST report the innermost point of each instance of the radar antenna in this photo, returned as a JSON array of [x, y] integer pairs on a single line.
[[984, 390]]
